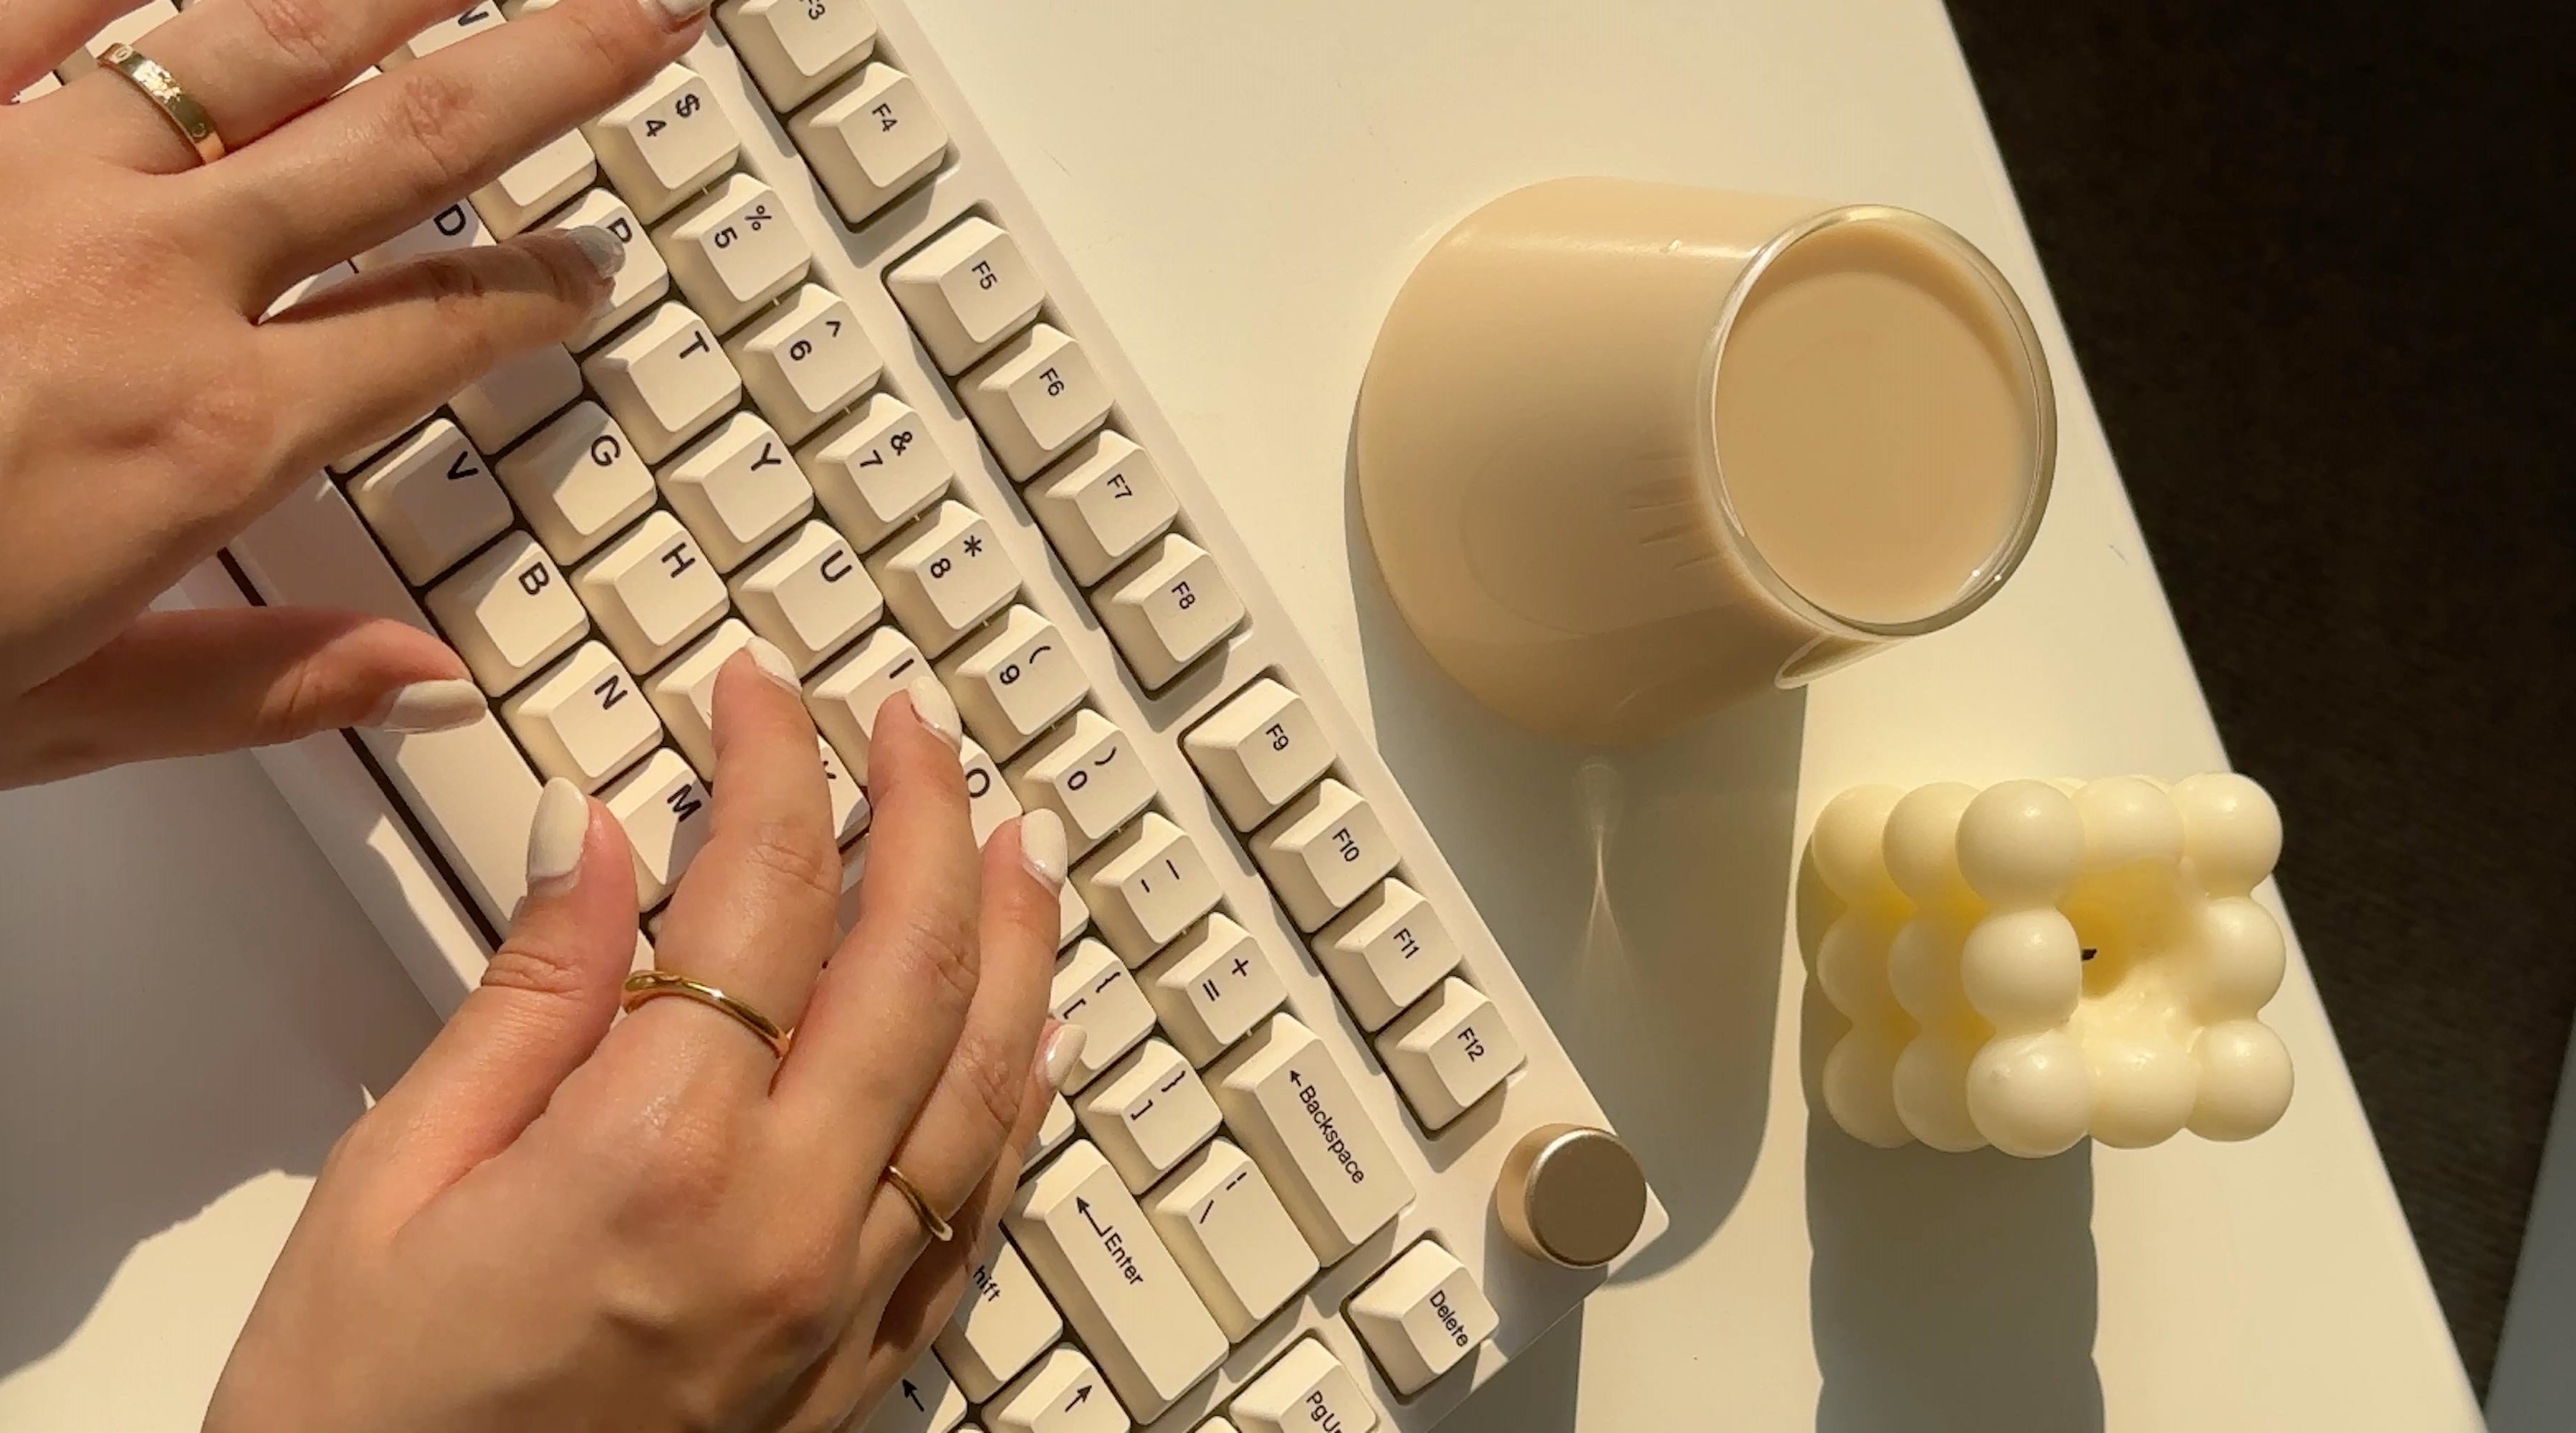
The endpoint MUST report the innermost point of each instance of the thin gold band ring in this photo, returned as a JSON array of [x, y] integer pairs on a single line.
[[939, 1228], [646, 985], [170, 97]]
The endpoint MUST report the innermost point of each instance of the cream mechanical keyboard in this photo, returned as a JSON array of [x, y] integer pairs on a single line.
[[848, 397]]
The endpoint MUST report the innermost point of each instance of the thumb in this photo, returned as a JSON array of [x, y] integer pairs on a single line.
[[544, 1003], [184, 683]]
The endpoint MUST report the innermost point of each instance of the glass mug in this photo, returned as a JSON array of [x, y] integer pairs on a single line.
[[1628, 452]]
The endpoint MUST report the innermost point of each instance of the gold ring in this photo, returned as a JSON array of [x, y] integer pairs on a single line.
[[930, 1220], [163, 89], [646, 985]]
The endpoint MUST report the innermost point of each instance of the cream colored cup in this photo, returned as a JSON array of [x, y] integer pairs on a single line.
[[1628, 452]]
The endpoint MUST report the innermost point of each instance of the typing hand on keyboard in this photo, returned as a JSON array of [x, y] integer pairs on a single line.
[[146, 413], [555, 1222]]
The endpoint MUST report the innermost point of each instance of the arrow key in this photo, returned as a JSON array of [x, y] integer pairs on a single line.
[[926, 1401], [1063, 1394]]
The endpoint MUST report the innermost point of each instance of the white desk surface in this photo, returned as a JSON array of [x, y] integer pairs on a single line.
[[194, 1006]]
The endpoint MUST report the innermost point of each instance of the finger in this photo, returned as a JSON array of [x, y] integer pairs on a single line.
[[375, 161], [888, 1011], [874, 1357], [253, 65], [374, 353], [753, 916], [36, 35], [188, 683], [544, 1003], [963, 1133]]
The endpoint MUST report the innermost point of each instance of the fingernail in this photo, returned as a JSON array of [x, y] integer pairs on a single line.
[[676, 11], [429, 706], [1042, 848], [556, 837], [602, 248], [774, 665], [931, 703], [1058, 1049]]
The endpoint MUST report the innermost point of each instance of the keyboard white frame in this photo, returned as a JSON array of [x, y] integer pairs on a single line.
[[431, 928]]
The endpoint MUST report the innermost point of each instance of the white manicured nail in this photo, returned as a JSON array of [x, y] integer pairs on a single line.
[[931, 703], [676, 11], [602, 248], [1042, 848], [556, 837], [429, 706], [1057, 1052], [774, 665]]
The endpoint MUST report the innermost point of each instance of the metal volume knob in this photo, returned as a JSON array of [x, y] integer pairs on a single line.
[[1571, 1195]]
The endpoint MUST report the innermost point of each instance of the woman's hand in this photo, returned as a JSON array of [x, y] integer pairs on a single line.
[[145, 413], [553, 1223]]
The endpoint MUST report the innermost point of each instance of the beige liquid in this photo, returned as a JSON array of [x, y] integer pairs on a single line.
[[1547, 425], [1873, 432]]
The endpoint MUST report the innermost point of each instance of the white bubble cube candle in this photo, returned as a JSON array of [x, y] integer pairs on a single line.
[[2036, 962]]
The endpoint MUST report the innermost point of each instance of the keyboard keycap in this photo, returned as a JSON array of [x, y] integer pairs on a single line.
[[1119, 1286], [431, 501], [684, 692], [1259, 749], [870, 139], [664, 143], [577, 481], [468, 786], [1307, 1389], [734, 251], [1422, 1317], [794, 48], [875, 471], [1147, 1114], [808, 596], [1101, 505], [924, 1400], [989, 799], [1449, 1052], [849, 799], [499, 408], [638, 284], [1145, 886], [1286, 1098], [1212, 987], [1093, 990], [966, 291], [805, 360], [472, 21], [1063, 1394], [737, 488], [1034, 399], [583, 719], [508, 612], [664, 380], [455, 227], [1013, 679], [1002, 1323], [845, 698], [1054, 1132], [1088, 774], [1232, 1237], [537, 185], [944, 575], [652, 590], [1167, 609], [1323, 852], [1385, 952], [664, 808]]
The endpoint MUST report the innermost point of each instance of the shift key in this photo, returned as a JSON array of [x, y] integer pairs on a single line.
[[1289, 1103], [1119, 1287]]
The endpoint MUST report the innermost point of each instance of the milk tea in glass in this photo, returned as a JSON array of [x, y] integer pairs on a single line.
[[1628, 452]]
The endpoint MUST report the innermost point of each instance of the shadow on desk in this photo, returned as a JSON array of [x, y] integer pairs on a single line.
[[181, 1017], [1946, 1291], [1640, 894]]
